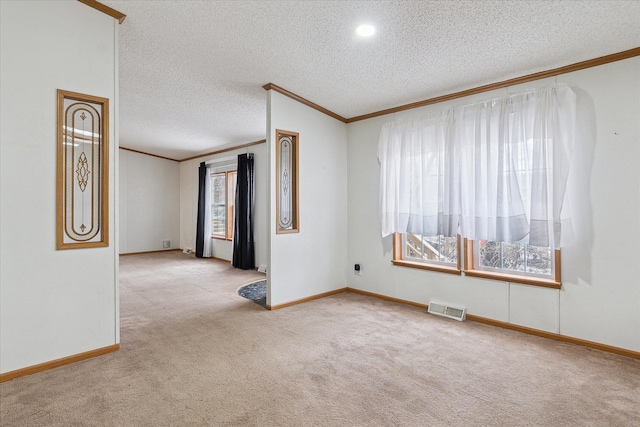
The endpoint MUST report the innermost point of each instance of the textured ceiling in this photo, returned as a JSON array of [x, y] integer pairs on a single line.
[[191, 72]]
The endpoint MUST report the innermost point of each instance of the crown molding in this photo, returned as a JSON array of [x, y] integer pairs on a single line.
[[105, 9], [480, 89], [506, 83], [147, 154], [224, 150], [276, 88]]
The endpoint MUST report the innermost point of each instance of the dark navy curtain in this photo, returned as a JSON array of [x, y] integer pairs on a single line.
[[243, 246], [202, 176]]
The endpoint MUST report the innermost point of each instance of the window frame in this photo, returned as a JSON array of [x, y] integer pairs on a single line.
[[471, 269], [466, 264], [439, 266], [292, 182], [229, 205]]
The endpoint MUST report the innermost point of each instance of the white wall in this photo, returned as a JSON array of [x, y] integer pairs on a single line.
[[53, 303], [223, 249], [149, 202], [314, 260], [600, 297]]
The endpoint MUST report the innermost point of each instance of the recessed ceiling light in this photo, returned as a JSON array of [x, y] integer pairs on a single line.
[[365, 30]]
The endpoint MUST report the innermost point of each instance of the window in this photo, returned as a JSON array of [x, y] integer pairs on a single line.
[[516, 257], [438, 253], [513, 262], [287, 207], [223, 190], [492, 172]]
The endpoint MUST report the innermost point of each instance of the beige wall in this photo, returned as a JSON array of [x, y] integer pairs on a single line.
[[149, 202], [600, 297], [314, 260], [53, 303]]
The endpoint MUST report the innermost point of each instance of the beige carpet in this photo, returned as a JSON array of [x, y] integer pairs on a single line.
[[194, 353]]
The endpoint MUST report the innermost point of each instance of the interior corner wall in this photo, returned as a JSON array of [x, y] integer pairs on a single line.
[[149, 202], [314, 260], [53, 303], [223, 249], [600, 296]]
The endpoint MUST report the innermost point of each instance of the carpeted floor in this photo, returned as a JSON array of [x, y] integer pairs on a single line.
[[256, 292], [195, 353]]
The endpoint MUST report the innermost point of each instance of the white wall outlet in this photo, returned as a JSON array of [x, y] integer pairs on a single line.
[[166, 244]]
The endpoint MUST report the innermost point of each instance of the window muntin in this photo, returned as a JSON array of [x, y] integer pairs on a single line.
[[223, 186]]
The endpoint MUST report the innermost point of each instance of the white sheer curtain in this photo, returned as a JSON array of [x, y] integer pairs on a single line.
[[494, 170], [416, 178], [207, 251]]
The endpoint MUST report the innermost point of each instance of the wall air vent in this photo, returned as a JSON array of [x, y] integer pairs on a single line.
[[456, 313]]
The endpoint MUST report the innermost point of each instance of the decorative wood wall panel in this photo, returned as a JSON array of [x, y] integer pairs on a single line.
[[82, 171], [287, 209]]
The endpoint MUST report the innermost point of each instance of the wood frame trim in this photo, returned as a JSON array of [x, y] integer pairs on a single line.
[[602, 60], [61, 172], [7, 376], [105, 9], [397, 246], [387, 298], [431, 266], [480, 89], [505, 83], [470, 270], [229, 208], [226, 202], [147, 154], [522, 329], [150, 252], [557, 266], [468, 256], [275, 88], [307, 299], [556, 337], [224, 150], [295, 199], [428, 267]]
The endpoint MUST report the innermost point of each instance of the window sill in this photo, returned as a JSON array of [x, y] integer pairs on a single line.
[[525, 280], [219, 237], [425, 266], [287, 231]]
